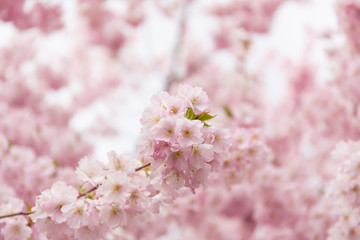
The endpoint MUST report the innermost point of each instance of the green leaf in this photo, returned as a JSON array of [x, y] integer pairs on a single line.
[[81, 189], [30, 223], [205, 116], [190, 114], [28, 207], [11, 143], [228, 112], [89, 196], [56, 163], [246, 44], [207, 125]]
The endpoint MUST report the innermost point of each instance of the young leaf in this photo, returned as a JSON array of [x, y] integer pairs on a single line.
[[205, 116], [81, 189], [28, 207], [190, 114], [90, 196], [228, 112]]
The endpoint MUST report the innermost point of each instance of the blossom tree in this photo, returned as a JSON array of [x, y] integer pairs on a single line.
[[215, 160]]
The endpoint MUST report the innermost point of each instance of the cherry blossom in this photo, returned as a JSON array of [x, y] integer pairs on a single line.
[[215, 160]]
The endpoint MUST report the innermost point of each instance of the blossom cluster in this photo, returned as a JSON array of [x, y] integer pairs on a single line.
[[45, 17], [345, 191], [110, 196], [349, 16], [179, 141], [273, 176], [41, 146], [120, 193]]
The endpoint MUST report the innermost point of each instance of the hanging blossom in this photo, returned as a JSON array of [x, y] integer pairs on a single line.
[[184, 149], [179, 141]]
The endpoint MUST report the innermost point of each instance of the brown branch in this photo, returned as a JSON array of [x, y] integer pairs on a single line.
[[29, 213], [16, 214], [79, 196], [89, 191], [142, 167]]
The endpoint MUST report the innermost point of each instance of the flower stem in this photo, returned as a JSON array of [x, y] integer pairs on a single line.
[[79, 196], [16, 214], [89, 191], [142, 167]]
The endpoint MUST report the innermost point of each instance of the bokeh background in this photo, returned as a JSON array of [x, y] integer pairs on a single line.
[[148, 50]]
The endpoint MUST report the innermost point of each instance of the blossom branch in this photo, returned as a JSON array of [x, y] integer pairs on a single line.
[[16, 214], [29, 213], [182, 136], [80, 196], [87, 192], [142, 167]]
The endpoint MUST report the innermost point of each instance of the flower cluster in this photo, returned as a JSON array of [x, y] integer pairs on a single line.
[[279, 179], [349, 18], [253, 16], [16, 228], [248, 151], [179, 141], [346, 191], [45, 17], [119, 194], [111, 195]]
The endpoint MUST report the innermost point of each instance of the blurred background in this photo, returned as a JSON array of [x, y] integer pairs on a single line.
[[106, 59]]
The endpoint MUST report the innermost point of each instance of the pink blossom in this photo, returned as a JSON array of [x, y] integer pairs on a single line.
[[86, 233], [175, 105], [51, 201], [165, 130], [50, 229], [125, 163], [3, 144], [189, 132], [200, 176], [115, 187], [178, 159], [137, 202], [90, 170], [201, 154], [196, 97], [16, 229], [112, 215], [349, 17], [76, 213], [13, 205], [175, 180], [220, 140], [151, 116]]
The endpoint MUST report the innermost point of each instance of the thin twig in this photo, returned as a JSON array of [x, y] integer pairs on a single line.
[[142, 167], [89, 191], [29, 213], [79, 196], [16, 214]]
